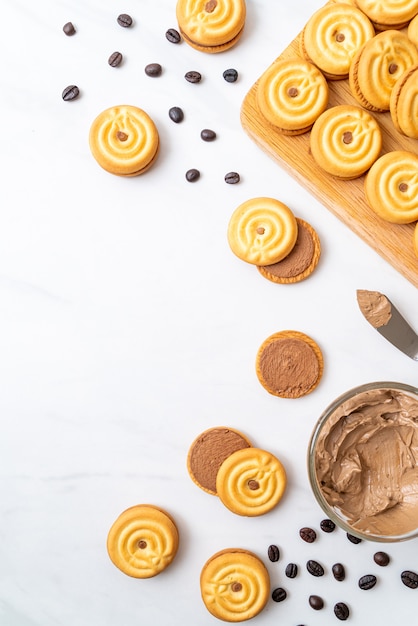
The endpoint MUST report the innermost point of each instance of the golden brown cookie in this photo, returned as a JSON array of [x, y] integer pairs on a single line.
[[289, 364], [235, 585], [251, 482], [332, 36], [262, 231], [208, 451], [211, 25], [301, 260], [412, 30], [291, 94], [378, 65], [403, 103], [387, 14], [124, 140], [143, 541], [391, 187], [345, 141]]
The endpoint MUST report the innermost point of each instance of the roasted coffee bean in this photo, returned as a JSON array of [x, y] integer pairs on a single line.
[[192, 175], [193, 77], [232, 178], [125, 20], [176, 114], [230, 75], [315, 568], [291, 570], [316, 602], [338, 571], [69, 29], [70, 93], [307, 534], [367, 582], [273, 553], [279, 594], [207, 134], [341, 611], [115, 59], [153, 69], [327, 525], [410, 579], [173, 35], [353, 538], [381, 558]]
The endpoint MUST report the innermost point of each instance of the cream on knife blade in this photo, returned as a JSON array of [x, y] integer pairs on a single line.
[[385, 317]]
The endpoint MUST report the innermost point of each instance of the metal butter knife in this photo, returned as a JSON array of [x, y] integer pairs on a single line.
[[385, 317]]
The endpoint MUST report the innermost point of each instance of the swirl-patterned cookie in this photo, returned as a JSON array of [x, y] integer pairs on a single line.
[[124, 140], [388, 14], [211, 25], [262, 231], [289, 364], [251, 482], [403, 103], [345, 141], [412, 31], [301, 260], [235, 585], [208, 451], [391, 187], [291, 94], [378, 65], [143, 541], [332, 36]]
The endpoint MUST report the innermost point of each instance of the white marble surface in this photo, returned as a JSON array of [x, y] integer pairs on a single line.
[[128, 326]]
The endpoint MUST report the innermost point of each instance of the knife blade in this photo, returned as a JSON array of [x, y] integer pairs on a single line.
[[381, 313]]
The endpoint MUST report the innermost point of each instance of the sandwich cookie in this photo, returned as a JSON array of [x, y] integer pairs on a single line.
[[332, 36], [207, 453], [211, 25], [262, 231], [391, 187], [378, 65], [251, 482], [301, 260], [124, 140], [234, 585], [403, 103], [291, 94], [289, 364], [388, 14], [143, 541], [345, 141]]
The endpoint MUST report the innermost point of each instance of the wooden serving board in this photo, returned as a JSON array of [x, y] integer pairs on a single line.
[[345, 199]]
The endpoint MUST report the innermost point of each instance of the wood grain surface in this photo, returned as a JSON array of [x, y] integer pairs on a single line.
[[345, 199]]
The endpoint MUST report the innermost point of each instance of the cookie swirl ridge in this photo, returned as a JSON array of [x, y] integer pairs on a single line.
[[211, 21], [391, 187], [333, 35], [345, 141], [292, 93], [234, 585], [262, 231], [124, 140], [143, 541], [389, 13], [251, 482]]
